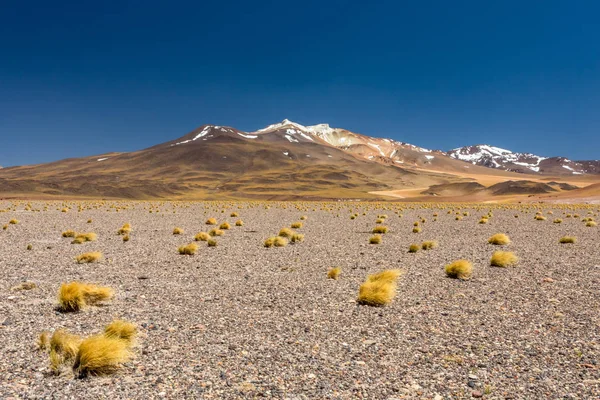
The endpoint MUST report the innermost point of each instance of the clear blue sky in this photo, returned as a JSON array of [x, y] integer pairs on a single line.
[[80, 77]]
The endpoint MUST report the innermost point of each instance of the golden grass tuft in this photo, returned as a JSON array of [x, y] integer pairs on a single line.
[[100, 355], [211, 221], [503, 259], [126, 238], [591, 224], [13, 221], [89, 257], [568, 239], [215, 232], [380, 229], [189, 249], [74, 296], [69, 233], [483, 221], [429, 244], [63, 348], [379, 289], [539, 217], [460, 269], [416, 229], [225, 225], [413, 248], [276, 241], [43, 342], [177, 231], [286, 233], [201, 237], [557, 221], [211, 243], [84, 237], [297, 238], [24, 286], [233, 215], [121, 329], [303, 218], [375, 239], [239, 222], [499, 239], [296, 225], [334, 273]]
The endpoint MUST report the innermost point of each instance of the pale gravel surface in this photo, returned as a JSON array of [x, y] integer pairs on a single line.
[[243, 321]]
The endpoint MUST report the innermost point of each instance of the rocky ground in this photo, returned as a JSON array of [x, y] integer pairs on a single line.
[[243, 321]]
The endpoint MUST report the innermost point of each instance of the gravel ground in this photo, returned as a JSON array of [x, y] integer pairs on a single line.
[[243, 321]]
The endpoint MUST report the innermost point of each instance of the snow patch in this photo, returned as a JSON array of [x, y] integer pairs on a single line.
[[247, 136], [430, 157], [102, 159], [291, 139]]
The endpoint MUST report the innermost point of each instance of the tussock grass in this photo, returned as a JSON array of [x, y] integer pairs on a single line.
[[413, 248], [429, 244], [500, 239], [379, 289], [69, 233], [189, 249], [286, 233], [416, 229], [89, 257], [239, 222], [334, 273], [276, 241], [591, 224], [75, 296], [225, 225], [24, 286], [233, 215], [63, 348], [125, 229], [375, 239], [201, 237], [100, 355], [303, 218], [503, 259], [380, 229], [84, 237], [215, 232], [211, 243], [13, 221], [297, 238], [483, 221], [379, 221], [43, 342], [126, 238], [89, 221], [29, 247], [211, 221], [121, 329], [296, 225], [460, 269], [177, 231], [557, 221], [568, 239], [539, 217]]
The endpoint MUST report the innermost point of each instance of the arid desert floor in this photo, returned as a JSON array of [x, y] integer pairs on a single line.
[[240, 320]]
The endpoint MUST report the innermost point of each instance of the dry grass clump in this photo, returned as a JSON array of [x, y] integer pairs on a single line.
[[63, 348], [215, 232], [201, 237], [379, 289], [24, 286], [380, 229], [225, 225], [75, 296], [276, 241], [43, 342], [557, 221], [591, 224], [286, 232], [429, 244], [84, 237], [211, 243], [483, 220], [211, 221], [121, 329], [503, 259], [126, 238], [296, 225], [69, 233], [29, 247], [413, 248], [500, 239], [13, 221], [297, 238], [334, 273], [239, 222], [303, 218], [189, 249], [89, 257], [100, 355], [177, 231], [125, 229], [233, 215], [539, 217], [416, 229], [568, 239], [460, 269], [375, 239]]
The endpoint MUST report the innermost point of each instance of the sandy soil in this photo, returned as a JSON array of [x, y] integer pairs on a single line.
[[243, 321]]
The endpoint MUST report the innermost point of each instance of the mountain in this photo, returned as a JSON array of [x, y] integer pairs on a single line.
[[285, 160], [526, 163]]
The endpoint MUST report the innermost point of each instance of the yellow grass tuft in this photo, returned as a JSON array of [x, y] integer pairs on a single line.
[[429, 244], [483, 221], [211, 243], [177, 231], [568, 239], [189, 249], [84, 237], [211, 221], [380, 229], [303, 218], [215, 232], [63, 348], [557, 221], [297, 238], [334, 273], [539, 217], [296, 225], [100, 355], [499, 239], [239, 222], [74, 296], [461, 269], [43, 342], [276, 241], [591, 224], [13, 221], [126, 238], [233, 215], [89, 257], [416, 229], [24, 286], [69, 233], [286, 232], [503, 259], [225, 225], [375, 239], [121, 330], [413, 248], [201, 237], [379, 289]]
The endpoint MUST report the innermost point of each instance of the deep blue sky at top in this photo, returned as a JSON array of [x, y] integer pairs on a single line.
[[81, 77]]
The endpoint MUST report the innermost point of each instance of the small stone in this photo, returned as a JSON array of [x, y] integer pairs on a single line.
[[548, 280], [477, 394], [473, 377]]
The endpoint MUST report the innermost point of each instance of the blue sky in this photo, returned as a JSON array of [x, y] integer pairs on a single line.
[[80, 78]]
